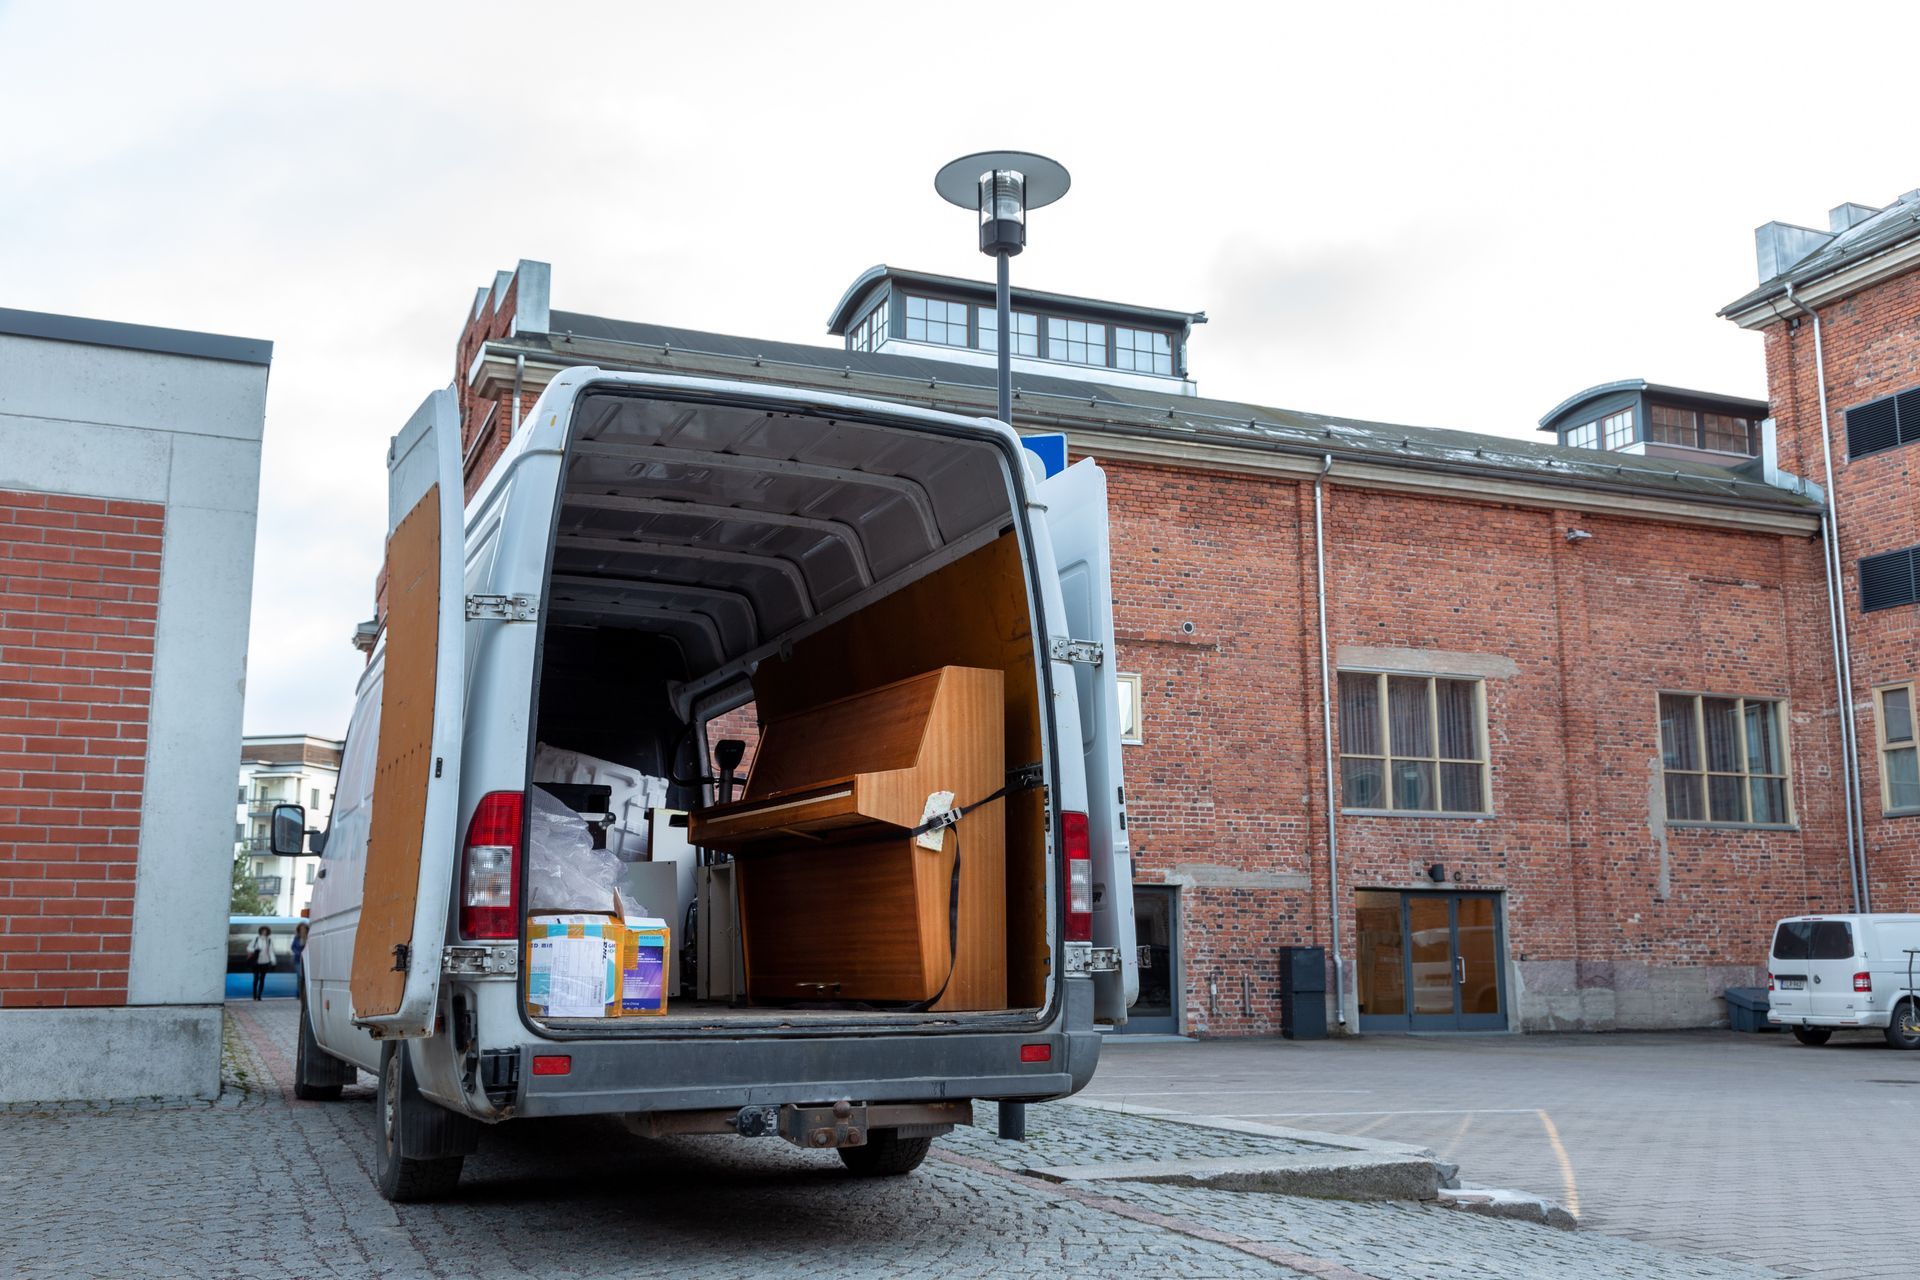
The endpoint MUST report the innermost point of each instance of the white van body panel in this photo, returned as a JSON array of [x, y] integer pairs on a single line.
[[1819, 992], [1076, 507], [426, 453], [507, 543]]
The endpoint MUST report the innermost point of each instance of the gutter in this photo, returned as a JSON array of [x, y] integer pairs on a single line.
[[1837, 621], [1326, 739]]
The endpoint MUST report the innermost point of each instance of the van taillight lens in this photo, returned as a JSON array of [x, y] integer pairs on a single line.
[[490, 864], [1863, 982], [1079, 850], [1770, 985]]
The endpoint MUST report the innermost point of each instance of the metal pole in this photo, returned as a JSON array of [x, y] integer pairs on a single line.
[[1013, 1115], [1003, 310]]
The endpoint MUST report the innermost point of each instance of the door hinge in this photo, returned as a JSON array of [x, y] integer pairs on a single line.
[[402, 957], [505, 608], [1083, 957], [480, 961], [1087, 652]]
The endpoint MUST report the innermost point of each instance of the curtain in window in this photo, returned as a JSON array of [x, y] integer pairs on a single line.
[[1362, 781], [1461, 789], [1721, 717]]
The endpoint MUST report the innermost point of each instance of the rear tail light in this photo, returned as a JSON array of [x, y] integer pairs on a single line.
[[490, 866], [1079, 851], [1770, 985], [1863, 982]]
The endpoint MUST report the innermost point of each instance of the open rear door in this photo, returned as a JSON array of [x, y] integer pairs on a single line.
[[412, 841], [1076, 503]]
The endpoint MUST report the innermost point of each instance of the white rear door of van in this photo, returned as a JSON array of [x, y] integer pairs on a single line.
[[1076, 517], [411, 842]]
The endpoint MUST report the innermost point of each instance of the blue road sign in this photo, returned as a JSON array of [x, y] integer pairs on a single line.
[[1051, 449]]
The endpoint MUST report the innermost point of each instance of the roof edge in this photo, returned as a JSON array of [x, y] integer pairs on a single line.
[[135, 337]]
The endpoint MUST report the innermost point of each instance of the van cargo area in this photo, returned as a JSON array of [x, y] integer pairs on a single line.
[[787, 733]]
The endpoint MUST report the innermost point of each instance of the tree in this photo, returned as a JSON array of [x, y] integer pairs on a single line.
[[246, 899]]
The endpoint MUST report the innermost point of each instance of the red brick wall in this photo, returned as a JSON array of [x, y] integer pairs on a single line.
[[79, 587], [1871, 344], [1226, 792]]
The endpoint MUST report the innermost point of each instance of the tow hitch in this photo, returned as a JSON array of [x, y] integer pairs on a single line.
[[821, 1126]]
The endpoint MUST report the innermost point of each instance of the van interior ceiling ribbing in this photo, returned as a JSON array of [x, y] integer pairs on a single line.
[[859, 588]]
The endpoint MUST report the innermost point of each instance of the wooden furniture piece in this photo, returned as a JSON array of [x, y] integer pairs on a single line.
[[837, 900]]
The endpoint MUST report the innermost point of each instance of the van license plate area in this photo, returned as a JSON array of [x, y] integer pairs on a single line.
[[1790, 984]]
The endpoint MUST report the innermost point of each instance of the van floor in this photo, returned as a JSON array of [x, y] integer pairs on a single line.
[[696, 1015]]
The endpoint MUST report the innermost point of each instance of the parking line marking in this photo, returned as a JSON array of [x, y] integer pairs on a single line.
[[1566, 1165], [1437, 1111]]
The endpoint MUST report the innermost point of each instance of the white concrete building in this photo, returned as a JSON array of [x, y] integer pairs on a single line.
[[129, 481], [283, 769]]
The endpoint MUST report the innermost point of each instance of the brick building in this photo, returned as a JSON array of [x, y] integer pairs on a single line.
[[1840, 313], [1581, 737], [129, 476]]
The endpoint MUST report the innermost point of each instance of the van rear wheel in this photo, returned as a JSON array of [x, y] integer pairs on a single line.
[[885, 1155], [1812, 1035], [1903, 1031], [317, 1075], [419, 1146]]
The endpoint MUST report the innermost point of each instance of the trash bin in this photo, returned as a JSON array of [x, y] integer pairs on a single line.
[[1303, 993], [1747, 1009]]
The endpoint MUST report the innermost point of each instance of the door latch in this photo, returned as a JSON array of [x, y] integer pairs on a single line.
[[402, 957], [1084, 652], [503, 608]]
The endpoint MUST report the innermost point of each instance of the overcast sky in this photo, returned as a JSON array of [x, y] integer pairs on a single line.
[[1440, 214]]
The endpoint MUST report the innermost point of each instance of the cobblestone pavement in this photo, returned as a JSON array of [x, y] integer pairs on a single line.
[[1746, 1147], [258, 1184]]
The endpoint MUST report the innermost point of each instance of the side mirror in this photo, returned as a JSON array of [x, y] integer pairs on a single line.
[[289, 831]]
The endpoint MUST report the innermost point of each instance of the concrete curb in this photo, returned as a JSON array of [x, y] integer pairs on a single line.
[[1522, 1206], [1351, 1168], [1353, 1175]]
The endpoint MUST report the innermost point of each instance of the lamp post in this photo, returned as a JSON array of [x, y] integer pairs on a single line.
[[1002, 186]]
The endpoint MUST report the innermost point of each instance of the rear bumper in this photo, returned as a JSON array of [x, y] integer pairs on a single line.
[[1864, 1018], [629, 1076]]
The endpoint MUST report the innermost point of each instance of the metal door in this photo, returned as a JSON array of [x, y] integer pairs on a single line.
[[1156, 915], [1455, 974]]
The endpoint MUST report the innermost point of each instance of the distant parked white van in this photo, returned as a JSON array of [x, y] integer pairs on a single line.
[[1846, 971]]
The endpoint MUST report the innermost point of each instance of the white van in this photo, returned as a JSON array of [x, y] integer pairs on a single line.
[[649, 554], [1846, 971]]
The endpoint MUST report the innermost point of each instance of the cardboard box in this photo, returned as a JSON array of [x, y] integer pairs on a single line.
[[593, 966], [573, 966]]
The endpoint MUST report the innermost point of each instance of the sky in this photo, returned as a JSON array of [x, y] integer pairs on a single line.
[[1449, 215]]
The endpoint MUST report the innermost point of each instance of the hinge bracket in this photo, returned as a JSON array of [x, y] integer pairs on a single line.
[[479, 961], [1086, 652], [1084, 957], [504, 608]]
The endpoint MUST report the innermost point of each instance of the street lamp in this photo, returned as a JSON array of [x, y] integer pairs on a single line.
[[1002, 186]]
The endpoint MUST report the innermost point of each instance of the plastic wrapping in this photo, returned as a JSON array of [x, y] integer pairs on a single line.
[[565, 871], [633, 793]]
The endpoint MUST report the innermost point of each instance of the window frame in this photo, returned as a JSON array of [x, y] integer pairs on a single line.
[[1131, 680], [968, 337], [1782, 723], [1628, 421], [1882, 749], [1481, 739]]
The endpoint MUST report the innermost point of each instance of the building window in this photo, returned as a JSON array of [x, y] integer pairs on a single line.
[[315, 806], [1143, 351], [1584, 436], [871, 331], [1412, 744], [1899, 755], [310, 872], [1720, 432], [1026, 332], [931, 320], [1617, 429], [1724, 760], [1076, 341], [243, 793], [1129, 694]]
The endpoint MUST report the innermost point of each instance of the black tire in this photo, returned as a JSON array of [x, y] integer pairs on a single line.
[[1903, 1031], [885, 1155], [400, 1116], [1814, 1036], [317, 1075]]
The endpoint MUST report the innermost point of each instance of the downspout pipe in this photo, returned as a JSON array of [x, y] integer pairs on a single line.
[[519, 372], [1326, 739], [1837, 619]]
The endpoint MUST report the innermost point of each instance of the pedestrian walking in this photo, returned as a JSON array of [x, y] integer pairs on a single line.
[[299, 948], [260, 956]]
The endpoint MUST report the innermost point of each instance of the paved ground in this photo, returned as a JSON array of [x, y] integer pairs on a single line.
[[258, 1184], [1743, 1147]]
